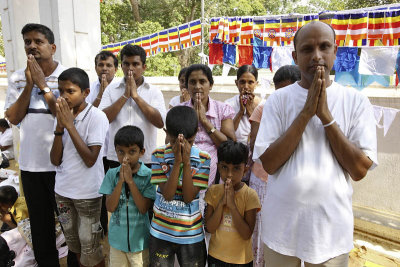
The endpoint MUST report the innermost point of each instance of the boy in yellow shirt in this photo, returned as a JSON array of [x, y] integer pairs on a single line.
[[231, 210]]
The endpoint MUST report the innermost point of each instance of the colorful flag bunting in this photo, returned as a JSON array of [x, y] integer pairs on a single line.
[[184, 36], [308, 19], [154, 44], [138, 41], [357, 30], [246, 32], [163, 41], [340, 22], [376, 28], [146, 45], [258, 32], [288, 29], [234, 30], [173, 39], [391, 35], [195, 32], [272, 32], [214, 22]]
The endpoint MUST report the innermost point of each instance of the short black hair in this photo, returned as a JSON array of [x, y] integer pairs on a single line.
[[287, 73], [233, 152], [76, 76], [312, 22], [205, 69], [8, 194], [39, 28], [133, 50], [128, 136], [181, 120], [4, 123], [103, 55], [247, 68], [182, 72]]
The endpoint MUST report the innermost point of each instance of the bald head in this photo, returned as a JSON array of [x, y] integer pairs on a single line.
[[319, 24]]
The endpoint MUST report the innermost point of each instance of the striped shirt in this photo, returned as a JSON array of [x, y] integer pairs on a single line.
[[37, 126], [175, 221]]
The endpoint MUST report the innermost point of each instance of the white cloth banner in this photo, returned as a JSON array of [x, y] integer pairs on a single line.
[[225, 70], [378, 60], [281, 56], [388, 114]]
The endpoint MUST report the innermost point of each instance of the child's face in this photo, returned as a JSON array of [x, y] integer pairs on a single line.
[[232, 171], [72, 93], [4, 208], [132, 153]]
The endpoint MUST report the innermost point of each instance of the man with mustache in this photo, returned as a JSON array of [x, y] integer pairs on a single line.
[[315, 136], [31, 101], [106, 65]]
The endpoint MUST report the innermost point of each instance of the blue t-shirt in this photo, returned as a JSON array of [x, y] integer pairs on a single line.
[[139, 224], [175, 221]]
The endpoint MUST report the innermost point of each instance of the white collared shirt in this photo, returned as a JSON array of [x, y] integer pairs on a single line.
[[36, 129], [130, 114], [73, 178], [95, 88], [307, 209]]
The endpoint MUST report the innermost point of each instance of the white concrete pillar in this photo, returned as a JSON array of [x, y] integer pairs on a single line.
[[75, 23]]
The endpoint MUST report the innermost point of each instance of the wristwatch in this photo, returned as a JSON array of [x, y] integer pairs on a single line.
[[46, 90], [212, 130]]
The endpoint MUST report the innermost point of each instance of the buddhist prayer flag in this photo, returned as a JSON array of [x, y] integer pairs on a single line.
[[195, 32], [215, 54], [154, 44], [376, 28], [184, 36], [163, 41], [308, 19], [138, 41], [391, 35], [340, 22], [357, 30], [173, 39], [272, 31], [214, 22], [246, 32], [234, 30], [288, 29], [326, 18], [146, 45], [223, 30], [245, 55], [114, 48], [3, 66], [258, 32], [229, 54]]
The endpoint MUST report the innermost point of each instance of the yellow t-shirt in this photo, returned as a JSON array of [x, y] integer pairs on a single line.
[[19, 211], [226, 244]]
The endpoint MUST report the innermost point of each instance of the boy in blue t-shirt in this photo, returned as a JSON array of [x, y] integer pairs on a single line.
[[129, 196], [181, 170]]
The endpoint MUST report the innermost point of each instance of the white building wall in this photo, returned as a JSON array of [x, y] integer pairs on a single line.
[[75, 23]]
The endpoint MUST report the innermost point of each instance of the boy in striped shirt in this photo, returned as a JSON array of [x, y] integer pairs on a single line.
[[180, 170]]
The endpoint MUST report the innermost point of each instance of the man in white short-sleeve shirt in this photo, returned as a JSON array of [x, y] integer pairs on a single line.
[[31, 101], [133, 101], [314, 136]]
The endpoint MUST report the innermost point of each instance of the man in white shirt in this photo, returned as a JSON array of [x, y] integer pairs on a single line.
[[133, 101], [314, 136], [106, 65], [31, 101]]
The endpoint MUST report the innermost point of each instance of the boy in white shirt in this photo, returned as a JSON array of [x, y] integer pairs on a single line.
[[79, 136], [6, 143]]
